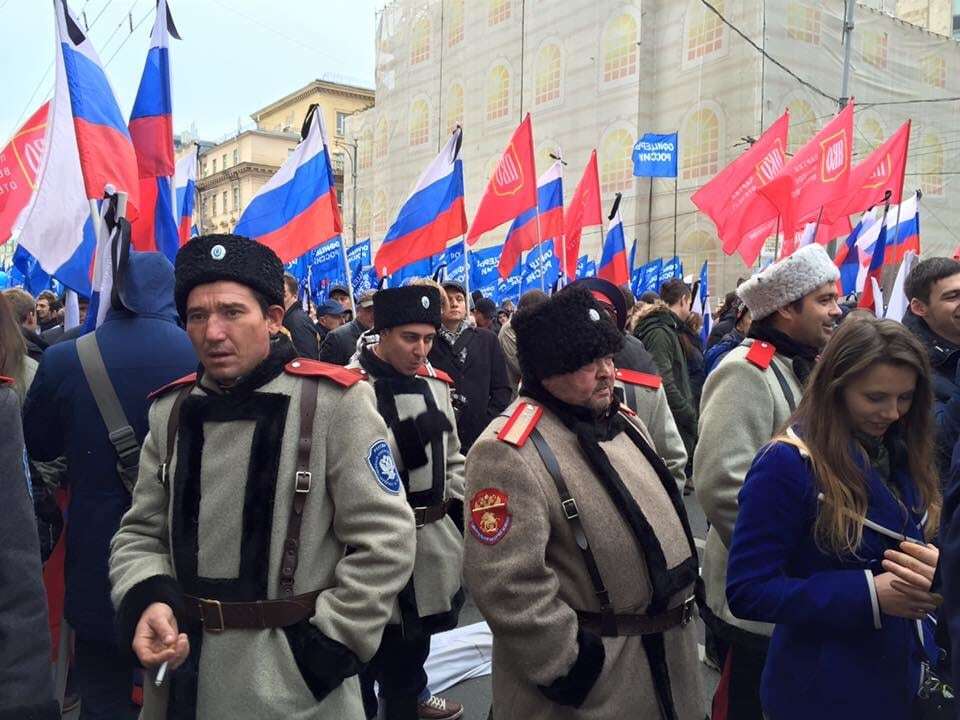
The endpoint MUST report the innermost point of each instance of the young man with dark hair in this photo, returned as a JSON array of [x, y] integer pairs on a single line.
[[746, 401], [302, 331], [659, 330], [47, 310], [933, 288]]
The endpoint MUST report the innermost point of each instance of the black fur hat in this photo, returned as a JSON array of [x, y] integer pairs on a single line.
[[407, 304], [563, 334], [209, 258]]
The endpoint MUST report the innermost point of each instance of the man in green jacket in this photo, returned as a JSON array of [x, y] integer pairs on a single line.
[[659, 329]]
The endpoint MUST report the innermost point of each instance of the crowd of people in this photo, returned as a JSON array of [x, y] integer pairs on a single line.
[[269, 508]]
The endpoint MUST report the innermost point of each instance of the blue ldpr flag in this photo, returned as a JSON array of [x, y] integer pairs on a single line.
[[484, 274], [452, 259], [656, 156], [541, 263]]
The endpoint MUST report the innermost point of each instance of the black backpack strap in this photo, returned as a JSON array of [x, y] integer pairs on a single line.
[[608, 620], [784, 386]]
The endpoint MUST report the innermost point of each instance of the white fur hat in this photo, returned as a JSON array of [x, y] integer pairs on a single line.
[[787, 280]]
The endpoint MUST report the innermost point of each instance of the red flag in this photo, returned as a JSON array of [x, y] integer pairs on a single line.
[[883, 170], [584, 210], [727, 195], [814, 177], [19, 163], [513, 187]]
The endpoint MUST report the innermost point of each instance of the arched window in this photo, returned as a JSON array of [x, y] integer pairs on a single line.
[[869, 137], [700, 145], [454, 106], [380, 212], [803, 125], [804, 22], [547, 80], [498, 93], [419, 122], [365, 151], [381, 142], [363, 218], [499, 11], [704, 30], [616, 165], [933, 70], [931, 164], [455, 28], [420, 41], [619, 47]]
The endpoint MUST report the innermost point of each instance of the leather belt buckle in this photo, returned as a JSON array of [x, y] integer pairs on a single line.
[[570, 508], [303, 481], [686, 614], [420, 516], [204, 618]]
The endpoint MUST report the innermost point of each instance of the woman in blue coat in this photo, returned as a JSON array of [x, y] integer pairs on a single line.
[[829, 540]]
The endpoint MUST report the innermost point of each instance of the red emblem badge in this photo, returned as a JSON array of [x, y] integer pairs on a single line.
[[489, 519]]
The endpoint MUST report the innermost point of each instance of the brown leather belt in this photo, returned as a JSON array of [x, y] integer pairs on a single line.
[[639, 624], [216, 616], [426, 515]]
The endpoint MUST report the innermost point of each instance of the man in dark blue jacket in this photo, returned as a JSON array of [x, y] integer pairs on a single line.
[[143, 349]]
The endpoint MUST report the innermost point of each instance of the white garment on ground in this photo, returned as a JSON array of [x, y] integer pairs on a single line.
[[457, 655]]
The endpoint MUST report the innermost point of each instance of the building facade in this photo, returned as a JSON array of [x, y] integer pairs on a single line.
[[599, 73], [231, 172]]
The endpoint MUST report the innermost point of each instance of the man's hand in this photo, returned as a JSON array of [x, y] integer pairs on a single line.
[[156, 639]]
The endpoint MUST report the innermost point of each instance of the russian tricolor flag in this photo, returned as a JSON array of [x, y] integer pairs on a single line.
[[151, 127], [847, 258], [297, 209], [432, 215], [903, 230], [874, 270], [613, 260], [106, 150], [186, 195], [523, 234]]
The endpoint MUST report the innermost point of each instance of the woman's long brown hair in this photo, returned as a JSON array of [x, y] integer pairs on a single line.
[[826, 429], [12, 345]]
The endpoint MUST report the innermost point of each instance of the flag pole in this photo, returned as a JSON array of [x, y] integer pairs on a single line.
[[776, 239], [346, 269], [196, 193], [563, 235], [676, 197], [466, 269], [543, 287]]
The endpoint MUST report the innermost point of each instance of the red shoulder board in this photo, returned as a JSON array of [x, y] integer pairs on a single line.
[[185, 380], [432, 372], [627, 410], [521, 424], [4, 380], [761, 354], [646, 380], [314, 368]]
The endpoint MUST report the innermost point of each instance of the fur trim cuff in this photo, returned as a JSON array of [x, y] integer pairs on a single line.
[[572, 689], [324, 663]]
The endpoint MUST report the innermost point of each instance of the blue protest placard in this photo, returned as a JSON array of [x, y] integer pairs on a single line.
[[483, 268], [541, 269], [508, 289], [586, 268], [656, 156], [359, 256]]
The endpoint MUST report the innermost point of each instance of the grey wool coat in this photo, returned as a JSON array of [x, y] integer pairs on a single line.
[[743, 407], [435, 595], [644, 394], [218, 531], [528, 578], [26, 680]]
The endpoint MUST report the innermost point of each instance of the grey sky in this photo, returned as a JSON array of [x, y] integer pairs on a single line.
[[236, 56]]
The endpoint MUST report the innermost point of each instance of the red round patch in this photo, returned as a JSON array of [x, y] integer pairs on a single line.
[[489, 519]]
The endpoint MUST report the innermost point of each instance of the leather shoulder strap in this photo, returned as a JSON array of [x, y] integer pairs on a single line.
[[608, 620], [173, 425], [119, 431], [784, 386], [301, 484]]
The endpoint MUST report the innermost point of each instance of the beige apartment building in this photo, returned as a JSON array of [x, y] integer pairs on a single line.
[[599, 73], [231, 172], [937, 16]]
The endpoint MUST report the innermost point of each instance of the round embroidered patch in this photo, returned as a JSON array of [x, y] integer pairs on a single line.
[[381, 462], [218, 252], [425, 301], [489, 519], [594, 315]]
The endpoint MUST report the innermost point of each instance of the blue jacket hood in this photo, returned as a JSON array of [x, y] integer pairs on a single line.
[[147, 289]]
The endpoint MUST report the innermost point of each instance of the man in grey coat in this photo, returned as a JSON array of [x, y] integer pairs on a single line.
[[269, 532], [26, 681], [414, 400], [746, 400]]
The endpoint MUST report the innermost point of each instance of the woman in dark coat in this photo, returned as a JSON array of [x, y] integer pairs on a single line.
[[831, 516]]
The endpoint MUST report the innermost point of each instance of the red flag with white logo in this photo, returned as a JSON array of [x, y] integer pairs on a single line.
[[725, 198], [584, 210], [815, 176], [513, 187], [870, 180]]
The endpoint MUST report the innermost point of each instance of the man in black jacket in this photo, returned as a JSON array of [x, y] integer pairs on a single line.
[[329, 318], [302, 331], [340, 345], [473, 358]]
